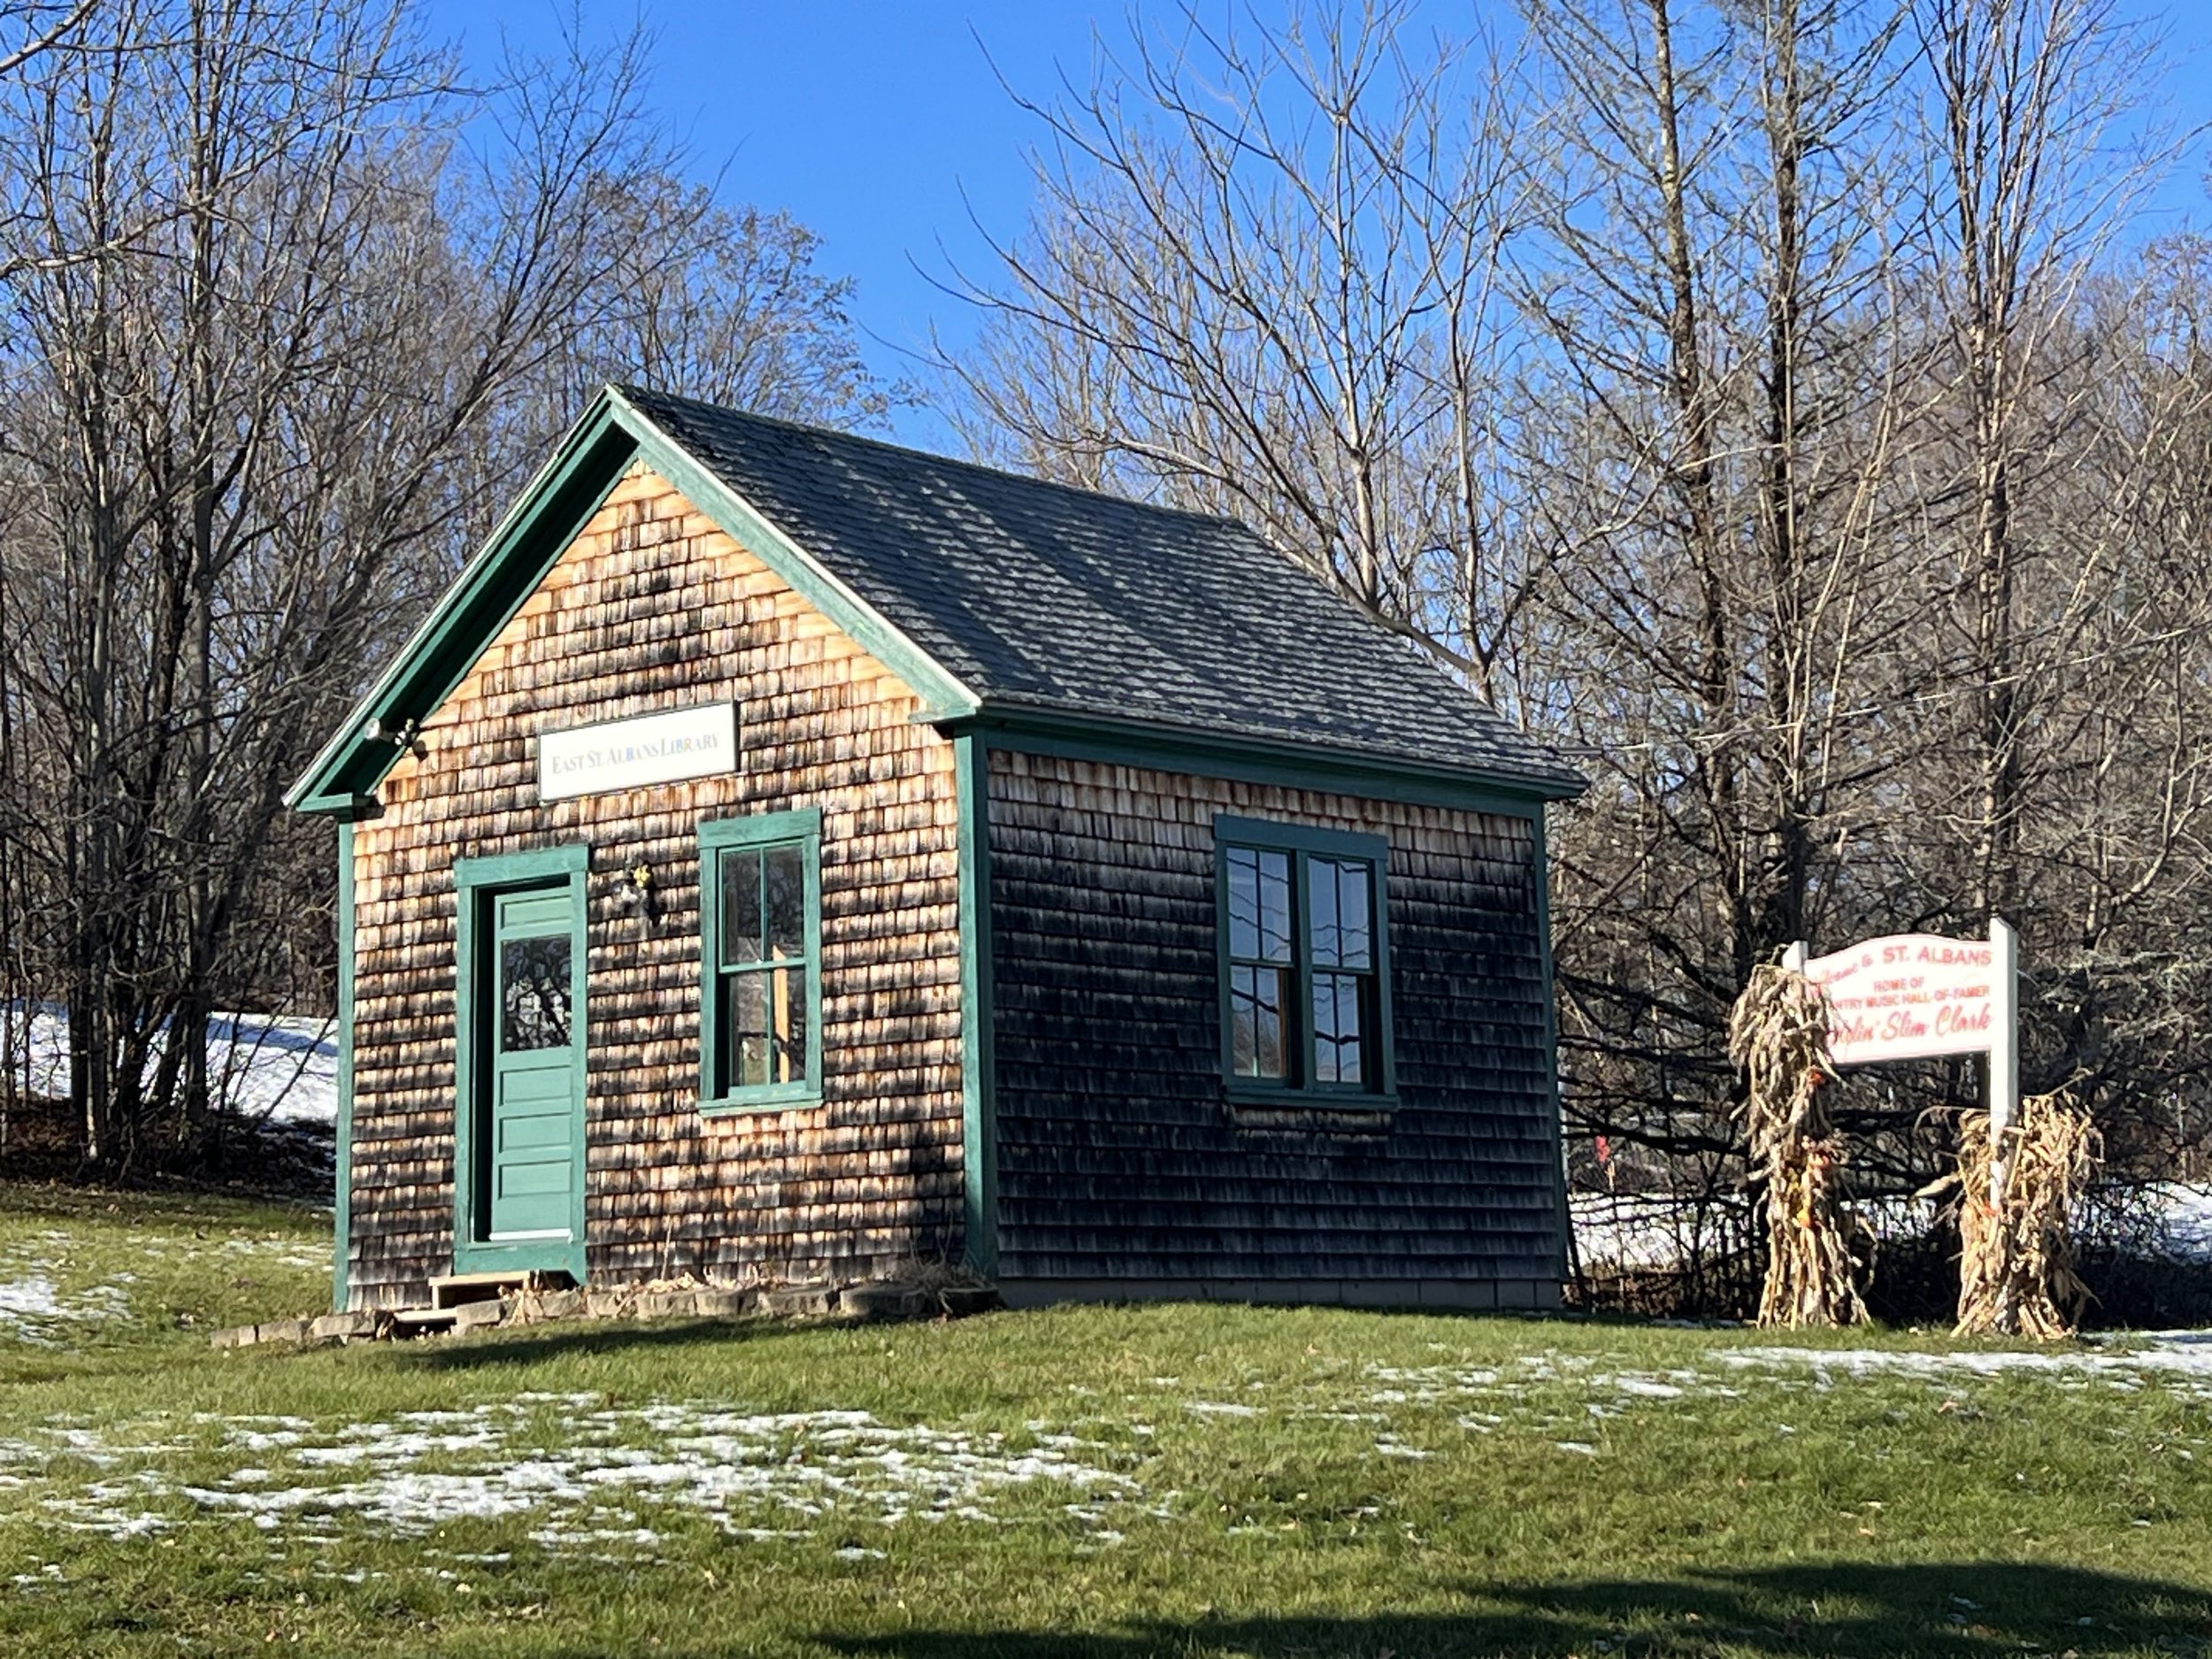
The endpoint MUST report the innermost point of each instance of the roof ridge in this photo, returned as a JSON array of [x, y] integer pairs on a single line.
[[812, 430]]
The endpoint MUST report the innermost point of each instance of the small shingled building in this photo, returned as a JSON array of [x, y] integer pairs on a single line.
[[783, 857]]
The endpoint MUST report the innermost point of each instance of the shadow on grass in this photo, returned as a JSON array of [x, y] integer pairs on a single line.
[[1943, 1610], [568, 1339]]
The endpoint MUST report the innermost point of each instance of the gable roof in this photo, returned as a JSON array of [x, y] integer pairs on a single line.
[[997, 597]]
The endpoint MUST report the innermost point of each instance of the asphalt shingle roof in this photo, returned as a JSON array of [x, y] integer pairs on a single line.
[[1037, 596]]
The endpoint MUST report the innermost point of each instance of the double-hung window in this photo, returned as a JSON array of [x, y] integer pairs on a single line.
[[1305, 965], [760, 969]]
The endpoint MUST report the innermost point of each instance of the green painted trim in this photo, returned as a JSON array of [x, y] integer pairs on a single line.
[[761, 829], [803, 827], [777, 1097], [1304, 842], [1540, 872], [979, 1087], [545, 519], [1131, 742], [1305, 838], [744, 524], [473, 879], [573, 858], [341, 1127]]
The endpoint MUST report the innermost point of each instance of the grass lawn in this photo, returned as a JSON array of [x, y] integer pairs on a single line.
[[1088, 1481]]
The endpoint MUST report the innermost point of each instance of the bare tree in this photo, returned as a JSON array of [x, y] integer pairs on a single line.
[[2023, 100], [1718, 395], [739, 315], [1716, 293], [1265, 277], [29, 28], [295, 359]]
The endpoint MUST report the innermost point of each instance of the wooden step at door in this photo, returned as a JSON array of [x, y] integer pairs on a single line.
[[456, 1288]]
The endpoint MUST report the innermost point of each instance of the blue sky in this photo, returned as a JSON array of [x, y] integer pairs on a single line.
[[883, 125]]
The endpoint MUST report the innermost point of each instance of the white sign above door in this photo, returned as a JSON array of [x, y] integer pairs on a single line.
[[631, 754]]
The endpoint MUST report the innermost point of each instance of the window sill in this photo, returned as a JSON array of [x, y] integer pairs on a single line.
[[1350, 1112], [754, 1104]]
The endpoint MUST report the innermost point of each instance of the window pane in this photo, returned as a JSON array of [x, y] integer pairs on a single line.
[[1274, 907], [1255, 1021], [1321, 926], [1338, 1052], [534, 992], [766, 1014], [1244, 904], [1341, 928], [787, 901], [741, 907], [745, 1018], [1355, 891], [788, 1059], [1259, 905]]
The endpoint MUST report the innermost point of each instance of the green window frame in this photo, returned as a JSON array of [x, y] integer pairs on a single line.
[[760, 962], [1302, 922]]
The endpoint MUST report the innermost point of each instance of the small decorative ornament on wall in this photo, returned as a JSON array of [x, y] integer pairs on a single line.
[[633, 754]]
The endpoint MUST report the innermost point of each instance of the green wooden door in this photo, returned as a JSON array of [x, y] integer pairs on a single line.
[[519, 1140], [530, 1168]]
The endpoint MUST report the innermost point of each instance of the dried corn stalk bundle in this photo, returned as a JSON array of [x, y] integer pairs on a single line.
[[1778, 1035], [2016, 1258]]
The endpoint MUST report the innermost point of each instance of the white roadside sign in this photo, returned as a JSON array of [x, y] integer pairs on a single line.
[[1908, 996], [631, 754], [1911, 996]]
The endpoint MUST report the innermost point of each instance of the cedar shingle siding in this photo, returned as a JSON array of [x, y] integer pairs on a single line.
[[1118, 1158], [654, 608], [899, 632]]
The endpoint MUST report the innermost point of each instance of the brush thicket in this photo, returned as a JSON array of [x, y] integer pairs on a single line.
[[1778, 1035], [2017, 1273]]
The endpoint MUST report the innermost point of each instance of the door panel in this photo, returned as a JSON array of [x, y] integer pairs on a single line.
[[518, 1133], [529, 1171], [523, 1184]]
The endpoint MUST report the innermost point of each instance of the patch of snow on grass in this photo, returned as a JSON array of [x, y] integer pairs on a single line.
[[35, 1309], [1399, 1448], [282, 1252], [753, 1475]]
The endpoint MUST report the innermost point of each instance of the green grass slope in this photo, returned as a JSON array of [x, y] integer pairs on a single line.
[[1191, 1481]]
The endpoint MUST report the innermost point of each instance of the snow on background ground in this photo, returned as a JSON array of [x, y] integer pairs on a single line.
[[2185, 1212], [2172, 1220], [261, 1065]]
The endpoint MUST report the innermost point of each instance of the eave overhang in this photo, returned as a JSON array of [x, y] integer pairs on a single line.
[[574, 483], [1318, 763], [559, 502]]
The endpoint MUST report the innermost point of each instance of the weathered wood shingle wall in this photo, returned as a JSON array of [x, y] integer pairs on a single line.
[[653, 608], [1118, 1158]]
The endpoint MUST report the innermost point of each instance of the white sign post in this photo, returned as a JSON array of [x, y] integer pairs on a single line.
[[1912, 996]]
